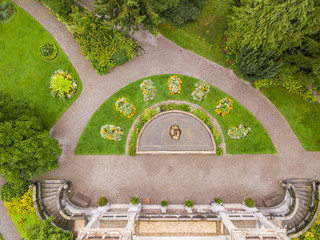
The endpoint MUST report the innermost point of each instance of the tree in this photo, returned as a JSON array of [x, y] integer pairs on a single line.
[[26, 149], [45, 231], [129, 14], [60, 7], [254, 65], [274, 25]]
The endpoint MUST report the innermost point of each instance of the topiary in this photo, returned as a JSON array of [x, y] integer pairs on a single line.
[[163, 107], [49, 51], [102, 202], [164, 203], [218, 200], [188, 203], [172, 106], [249, 202], [184, 107], [7, 10], [134, 200]]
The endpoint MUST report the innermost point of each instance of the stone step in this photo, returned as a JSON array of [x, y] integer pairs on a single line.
[[48, 204], [52, 209], [304, 190], [48, 194], [53, 181], [299, 216], [51, 185], [48, 190], [304, 208], [49, 197]]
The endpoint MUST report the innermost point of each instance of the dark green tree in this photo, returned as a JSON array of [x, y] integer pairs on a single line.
[[17, 189], [60, 7], [254, 65], [273, 25], [129, 14], [45, 231]]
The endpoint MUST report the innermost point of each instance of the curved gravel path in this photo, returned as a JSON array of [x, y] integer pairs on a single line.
[[175, 178]]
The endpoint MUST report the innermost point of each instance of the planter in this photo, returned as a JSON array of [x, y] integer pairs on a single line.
[[189, 209], [164, 209]]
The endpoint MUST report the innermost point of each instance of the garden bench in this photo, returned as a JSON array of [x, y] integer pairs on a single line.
[[80, 199]]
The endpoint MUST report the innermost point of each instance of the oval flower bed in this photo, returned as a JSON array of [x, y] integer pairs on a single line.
[[63, 85], [238, 132], [224, 107], [126, 108], [91, 142], [111, 132], [201, 91], [174, 84], [148, 90]]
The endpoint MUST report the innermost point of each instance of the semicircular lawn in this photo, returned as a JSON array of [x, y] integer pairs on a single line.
[[91, 142]]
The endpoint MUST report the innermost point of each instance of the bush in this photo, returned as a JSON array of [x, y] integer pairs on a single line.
[[163, 107], [49, 51], [172, 106], [185, 11], [184, 107], [219, 151], [102, 202], [62, 8], [11, 190], [164, 203], [21, 205], [188, 203], [249, 202], [218, 200], [1, 238], [134, 200], [120, 57], [7, 9]]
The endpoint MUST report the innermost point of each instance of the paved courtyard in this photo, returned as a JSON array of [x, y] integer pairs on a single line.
[[174, 177]]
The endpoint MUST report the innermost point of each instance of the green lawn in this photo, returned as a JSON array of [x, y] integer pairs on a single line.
[[302, 116], [203, 36], [23, 72], [91, 142]]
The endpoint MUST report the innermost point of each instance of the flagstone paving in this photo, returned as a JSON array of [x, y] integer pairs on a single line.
[[174, 178]]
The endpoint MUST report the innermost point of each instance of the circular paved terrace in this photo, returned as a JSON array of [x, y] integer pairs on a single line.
[[195, 136]]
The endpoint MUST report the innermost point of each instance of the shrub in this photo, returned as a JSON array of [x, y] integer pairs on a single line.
[[126, 108], [21, 205], [188, 203], [201, 91], [174, 84], [102, 202], [7, 9], [120, 57], [185, 11], [1, 238], [62, 8], [148, 90], [238, 132], [134, 200], [224, 107], [184, 107], [111, 132], [172, 106], [163, 107], [307, 96], [219, 151], [249, 202], [11, 190], [49, 51], [218, 200], [63, 85], [216, 135], [164, 203]]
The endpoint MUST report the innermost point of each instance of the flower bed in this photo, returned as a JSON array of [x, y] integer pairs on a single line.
[[126, 108], [148, 90], [201, 91], [238, 132], [174, 84], [63, 85], [224, 107], [111, 132]]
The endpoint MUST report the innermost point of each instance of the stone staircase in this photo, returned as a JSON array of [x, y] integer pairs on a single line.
[[305, 193], [48, 196]]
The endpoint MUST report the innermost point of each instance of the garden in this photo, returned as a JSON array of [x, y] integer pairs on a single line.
[[115, 117]]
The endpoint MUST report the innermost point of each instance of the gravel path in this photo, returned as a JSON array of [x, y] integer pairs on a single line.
[[175, 178]]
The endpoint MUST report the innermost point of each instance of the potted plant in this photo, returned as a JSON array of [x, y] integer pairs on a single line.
[[249, 202], [164, 206], [188, 205], [218, 201], [102, 202], [134, 201]]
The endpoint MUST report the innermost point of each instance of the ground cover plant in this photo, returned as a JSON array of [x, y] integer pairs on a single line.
[[25, 74], [258, 141], [203, 36], [303, 117]]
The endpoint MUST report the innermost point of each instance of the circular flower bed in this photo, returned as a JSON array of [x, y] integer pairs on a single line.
[[201, 91], [7, 12], [238, 132], [126, 108], [49, 51], [148, 90], [224, 107], [63, 85], [174, 85], [111, 132]]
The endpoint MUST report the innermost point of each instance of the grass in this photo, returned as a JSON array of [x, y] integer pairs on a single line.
[[27, 220], [91, 142], [303, 117], [205, 35], [24, 74]]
